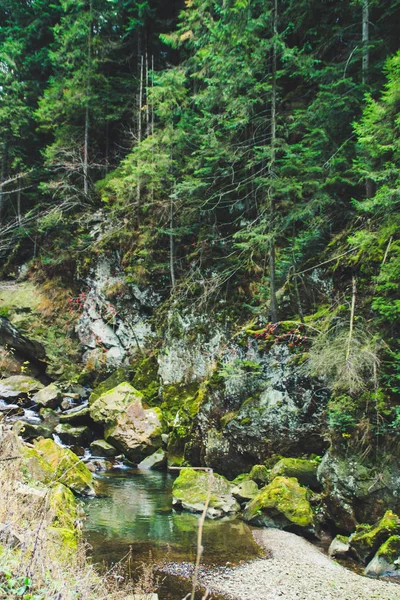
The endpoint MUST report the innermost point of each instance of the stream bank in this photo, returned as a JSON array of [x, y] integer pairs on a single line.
[[294, 569]]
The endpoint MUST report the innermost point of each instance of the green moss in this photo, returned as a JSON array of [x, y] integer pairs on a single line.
[[305, 471], [284, 497], [368, 538], [63, 503], [230, 416], [65, 539], [390, 550], [259, 474], [191, 489], [146, 379], [48, 462], [119, 376]]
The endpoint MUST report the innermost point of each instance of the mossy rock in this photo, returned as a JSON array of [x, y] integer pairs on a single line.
[[305, 471], [283, 504], [19, 386], [386, 561], [136, 431], [110, 405], [80, 415], [245, 490], [146, 379], [103, 448], [48, 397], [65, 540], [63, 504], [31, 431], [368, 538], [259, 474], [48, 462], [190, 491], [79, 435], [119, 376]]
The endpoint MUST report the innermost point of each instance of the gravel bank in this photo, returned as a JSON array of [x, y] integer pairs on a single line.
[[297, 570]]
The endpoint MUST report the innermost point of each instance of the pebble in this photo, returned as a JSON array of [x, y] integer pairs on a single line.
[[293, 569]]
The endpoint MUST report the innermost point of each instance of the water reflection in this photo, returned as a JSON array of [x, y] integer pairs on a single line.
[[135, 510]]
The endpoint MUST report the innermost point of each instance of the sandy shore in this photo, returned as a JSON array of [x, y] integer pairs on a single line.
[[297, 570]]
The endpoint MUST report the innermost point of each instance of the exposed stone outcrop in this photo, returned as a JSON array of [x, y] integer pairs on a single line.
[[19, 387], [10, 336], [48, 397]]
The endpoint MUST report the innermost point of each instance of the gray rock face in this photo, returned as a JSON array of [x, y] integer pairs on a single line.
[[358, 491], [114, 321], [18, 386], [272, 408]]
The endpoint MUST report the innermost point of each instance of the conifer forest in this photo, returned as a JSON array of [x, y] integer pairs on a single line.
[[199, 299]]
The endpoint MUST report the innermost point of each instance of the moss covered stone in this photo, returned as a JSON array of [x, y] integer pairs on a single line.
[[103, 448], [135, 431], [283, 503], [305, 471], [119, 376], [48, 462], [146, 378], [259, 474], [19, 386], [63, 504], [110, 405], [190, 490], [386, 561], [368, 538], [79, 435]]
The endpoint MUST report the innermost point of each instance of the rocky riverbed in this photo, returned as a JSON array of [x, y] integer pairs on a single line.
[[293, 569]]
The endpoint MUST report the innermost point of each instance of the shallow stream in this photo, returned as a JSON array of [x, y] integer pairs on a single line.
[[134, 509]]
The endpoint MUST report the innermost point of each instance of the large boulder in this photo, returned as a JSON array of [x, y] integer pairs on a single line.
[[368, 538], [109, 406], [358, 490], [11, 337], [48, 397], [386, 562], [284, 504], [190, 491], [48, 462], [305, 471], [137, 431], [19, 386]]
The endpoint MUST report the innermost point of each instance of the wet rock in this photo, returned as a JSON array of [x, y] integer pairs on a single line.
[[98, 464], [386, 562], [47, 462], [69, 434], [31, 431], [18, 386], [305, 471], [368, 538], [9, 410], [48, 397], [284, 504], [156, 461], [103, 448], [78, 415], [339, 546], [190, 491], [259, 474], [121, 375], [50, 417]]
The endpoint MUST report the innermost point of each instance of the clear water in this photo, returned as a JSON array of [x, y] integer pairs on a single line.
[[134, 510]]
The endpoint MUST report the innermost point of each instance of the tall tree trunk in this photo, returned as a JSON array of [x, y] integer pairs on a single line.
[[365, 41], [3, 178], [139, 135], [86, 135], [272, 274]]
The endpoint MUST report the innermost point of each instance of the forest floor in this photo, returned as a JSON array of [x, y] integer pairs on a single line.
[[293, 570]]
